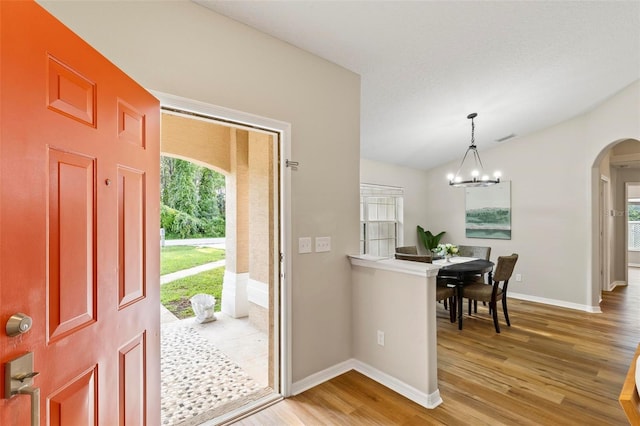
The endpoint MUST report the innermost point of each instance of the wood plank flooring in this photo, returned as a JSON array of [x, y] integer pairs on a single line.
[[553, 366]]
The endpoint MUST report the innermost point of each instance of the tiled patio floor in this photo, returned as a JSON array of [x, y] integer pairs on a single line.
[[235, 338]]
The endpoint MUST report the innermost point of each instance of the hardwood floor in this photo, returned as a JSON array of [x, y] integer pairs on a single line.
[[553, 366]]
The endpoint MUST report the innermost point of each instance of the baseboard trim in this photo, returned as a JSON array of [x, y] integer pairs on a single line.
[[426, 400], [322, 376], [615, 284], [559, 303]]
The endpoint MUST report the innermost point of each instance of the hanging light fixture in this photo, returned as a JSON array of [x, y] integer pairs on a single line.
[[477, 176]]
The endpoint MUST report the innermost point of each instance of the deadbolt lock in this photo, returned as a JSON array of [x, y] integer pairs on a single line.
[[17, 324]]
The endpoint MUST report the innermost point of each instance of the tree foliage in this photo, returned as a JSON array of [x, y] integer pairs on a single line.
[[191, 196], [634, 212], [183, 188], [207, 200]]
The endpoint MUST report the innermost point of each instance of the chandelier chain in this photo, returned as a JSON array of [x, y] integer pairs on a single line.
[[473, 128]]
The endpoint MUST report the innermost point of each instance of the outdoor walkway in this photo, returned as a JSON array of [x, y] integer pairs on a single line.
[[201, 242], [191, 271]]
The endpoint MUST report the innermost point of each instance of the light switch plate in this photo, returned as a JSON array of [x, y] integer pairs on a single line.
[[323, 244], [304, 245]]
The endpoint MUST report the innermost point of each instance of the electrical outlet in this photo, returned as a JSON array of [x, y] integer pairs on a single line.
[[519, 277], [323, 244], [381, 338], [304, 245]]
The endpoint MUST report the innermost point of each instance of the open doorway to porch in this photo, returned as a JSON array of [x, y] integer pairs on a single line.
[[218, 368]]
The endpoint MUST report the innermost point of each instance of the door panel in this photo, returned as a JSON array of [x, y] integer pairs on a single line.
[[132, 389], [70, 93], [79, 213], [131, 247], [75, 403], [71, 283]]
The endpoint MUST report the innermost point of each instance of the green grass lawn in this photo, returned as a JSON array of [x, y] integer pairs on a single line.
[[177, 258], [176, 294]]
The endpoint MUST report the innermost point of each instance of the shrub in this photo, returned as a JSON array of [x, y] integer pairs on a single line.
[[179, 224], [185, 225], [167, 217]]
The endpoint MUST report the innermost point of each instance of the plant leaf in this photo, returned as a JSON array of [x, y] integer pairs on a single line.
[[429, 241]]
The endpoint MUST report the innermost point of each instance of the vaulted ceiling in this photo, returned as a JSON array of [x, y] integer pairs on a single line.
[[522, 66]]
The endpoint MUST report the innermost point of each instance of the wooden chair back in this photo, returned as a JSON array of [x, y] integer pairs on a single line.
[[478, 252], [629, 398], [407, 250], [505, 267], [411, 253]]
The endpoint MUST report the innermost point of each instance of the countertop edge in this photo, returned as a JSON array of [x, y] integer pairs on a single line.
[[420, 269]]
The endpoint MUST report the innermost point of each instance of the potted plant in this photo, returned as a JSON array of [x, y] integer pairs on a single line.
[[429, 241], [446, 250]]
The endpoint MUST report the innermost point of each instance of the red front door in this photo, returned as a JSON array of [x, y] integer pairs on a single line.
[[79, 211]]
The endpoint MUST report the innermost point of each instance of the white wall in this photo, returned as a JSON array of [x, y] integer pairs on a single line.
[[552, 200], [183, 49], [414, 201]]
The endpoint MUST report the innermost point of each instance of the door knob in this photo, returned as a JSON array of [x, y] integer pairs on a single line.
[[18, 380], [17, 324]]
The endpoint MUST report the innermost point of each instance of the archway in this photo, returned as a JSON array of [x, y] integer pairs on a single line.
[[616, 164]]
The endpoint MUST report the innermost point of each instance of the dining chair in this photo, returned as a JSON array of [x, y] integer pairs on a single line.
[[444, 293], [411, 253], [407, 250], [479, 252], [491, 293], [447, 293]]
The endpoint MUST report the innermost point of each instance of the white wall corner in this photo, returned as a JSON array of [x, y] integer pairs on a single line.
[[322, 376], [258, 293], [426, 400], [235, 301], [430, 401], [615, 284]]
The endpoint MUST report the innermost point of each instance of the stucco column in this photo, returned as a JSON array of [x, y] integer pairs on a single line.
[[260, 229], [235, 302]]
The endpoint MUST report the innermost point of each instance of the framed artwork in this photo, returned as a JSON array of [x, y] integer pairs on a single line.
[[488, 211]]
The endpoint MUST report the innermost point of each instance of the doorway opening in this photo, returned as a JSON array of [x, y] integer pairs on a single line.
[[615, 175], [239, 355]]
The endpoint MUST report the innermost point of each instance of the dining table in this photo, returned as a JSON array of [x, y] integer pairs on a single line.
[[458, 269]]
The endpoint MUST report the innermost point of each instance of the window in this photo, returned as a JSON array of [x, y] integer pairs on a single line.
[[380, 219], [633, 215]]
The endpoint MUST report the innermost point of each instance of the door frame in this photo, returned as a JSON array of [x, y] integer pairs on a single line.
[[605, 268], [283, 130]]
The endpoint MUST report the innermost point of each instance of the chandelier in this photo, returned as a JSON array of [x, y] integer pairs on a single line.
[[477, 176]]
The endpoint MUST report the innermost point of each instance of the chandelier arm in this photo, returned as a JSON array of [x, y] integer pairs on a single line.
[[478, 160], [462, 162]]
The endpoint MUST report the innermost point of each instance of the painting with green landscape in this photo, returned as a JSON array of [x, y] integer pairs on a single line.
[[488, 211]]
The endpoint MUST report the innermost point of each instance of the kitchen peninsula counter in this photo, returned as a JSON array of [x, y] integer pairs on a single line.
[[394, 325]]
